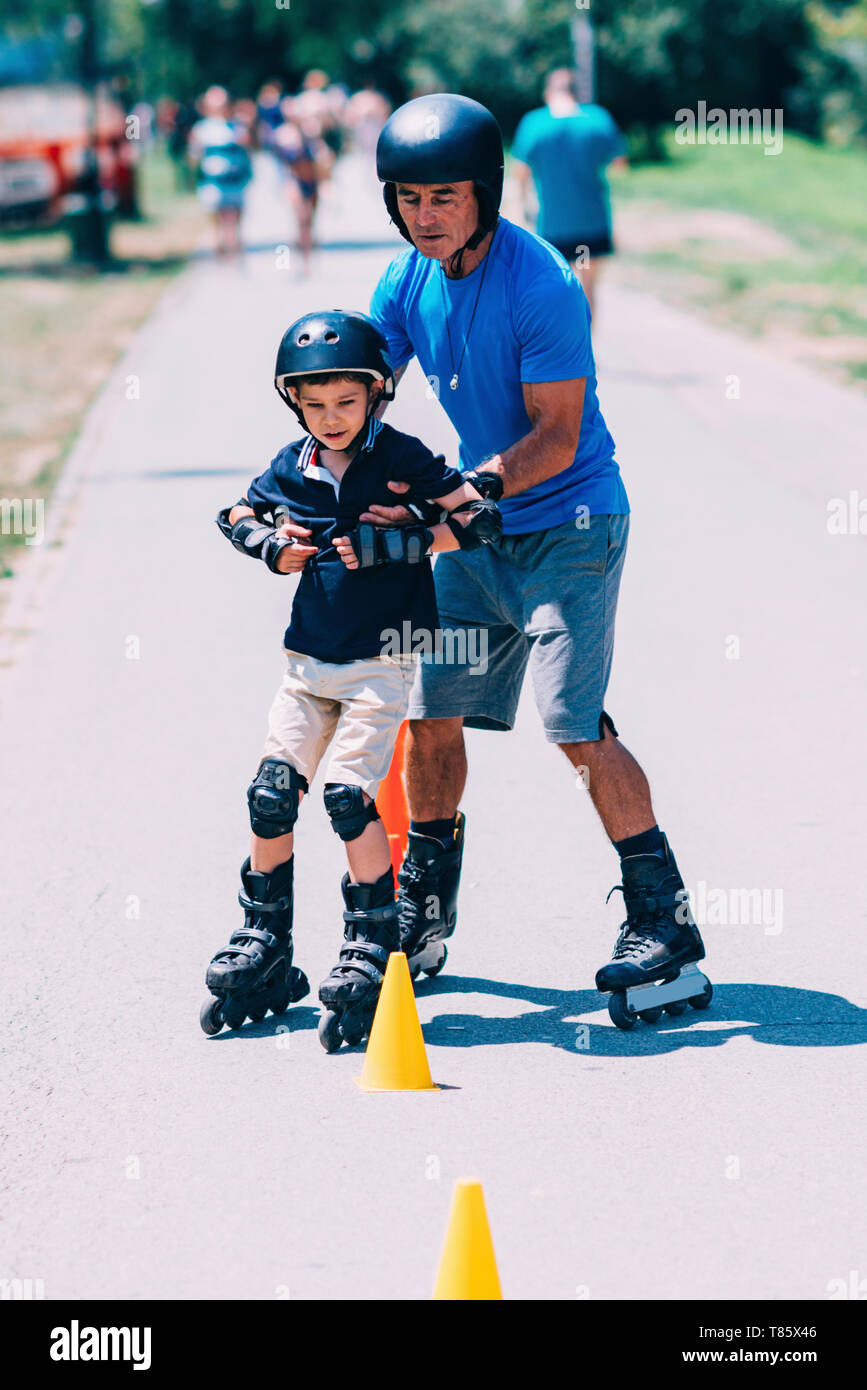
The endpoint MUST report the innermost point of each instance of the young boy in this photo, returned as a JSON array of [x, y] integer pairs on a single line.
[[359, 584]]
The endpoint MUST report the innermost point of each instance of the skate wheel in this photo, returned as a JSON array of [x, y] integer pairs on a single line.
[[676, 1007], [211, 1017], [329, 1031], [281, 998], [651, 1015], [299, 986], [620, 1013], [352, 1030], [701, 1001], [431, 970], [258, 1011], [234, 1014]]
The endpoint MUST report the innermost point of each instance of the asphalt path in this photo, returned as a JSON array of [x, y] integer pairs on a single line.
[[710, 1156]]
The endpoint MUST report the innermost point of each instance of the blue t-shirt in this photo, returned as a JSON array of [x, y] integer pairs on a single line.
[[340, 614], [222, 161], [568, 156], [532, 324]]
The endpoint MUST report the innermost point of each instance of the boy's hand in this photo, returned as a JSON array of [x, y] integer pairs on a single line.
[[343, 546], [294, 557], [390, 516]]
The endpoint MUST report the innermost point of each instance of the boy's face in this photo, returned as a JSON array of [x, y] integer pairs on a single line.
[[335, 411]]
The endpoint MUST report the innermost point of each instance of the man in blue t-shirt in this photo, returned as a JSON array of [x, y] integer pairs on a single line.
[[501, 329], [567, 148]]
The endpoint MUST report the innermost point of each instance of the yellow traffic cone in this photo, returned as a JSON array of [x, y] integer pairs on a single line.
[[395, 1059], [468, 1268]]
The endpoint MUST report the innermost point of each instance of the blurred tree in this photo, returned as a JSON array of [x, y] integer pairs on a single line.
[[833, 91], [652, 56]]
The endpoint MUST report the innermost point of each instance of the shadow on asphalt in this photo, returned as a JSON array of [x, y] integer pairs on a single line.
[[295, 1020], [773, 1014]]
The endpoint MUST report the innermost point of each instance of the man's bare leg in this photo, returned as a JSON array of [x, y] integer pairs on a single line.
[[618, 788], [436, 768], [659, 938], [436, 773]]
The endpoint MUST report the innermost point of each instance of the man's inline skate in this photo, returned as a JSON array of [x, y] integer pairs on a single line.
[[254, 973], [654, 963], [427, 898], [349, 994]]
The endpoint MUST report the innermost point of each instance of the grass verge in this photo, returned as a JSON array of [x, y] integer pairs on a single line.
[[775, 245]]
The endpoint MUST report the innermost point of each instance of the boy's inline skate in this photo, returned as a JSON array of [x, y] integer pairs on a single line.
[[654, 963], [427, 898], [254, 973], [350, 993]]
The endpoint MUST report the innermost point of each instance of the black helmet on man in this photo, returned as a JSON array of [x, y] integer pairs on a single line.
[[443, 138]]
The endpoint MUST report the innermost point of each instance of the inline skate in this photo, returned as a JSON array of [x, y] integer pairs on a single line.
[[653, 967], [427, 898], [349, 994], [254, 973]]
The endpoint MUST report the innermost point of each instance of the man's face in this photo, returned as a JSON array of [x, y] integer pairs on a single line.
[[440, 217]]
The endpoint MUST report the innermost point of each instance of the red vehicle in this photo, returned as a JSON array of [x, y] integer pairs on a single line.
[[44, 139]]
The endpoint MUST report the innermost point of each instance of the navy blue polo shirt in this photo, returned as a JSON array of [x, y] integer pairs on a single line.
[[340, 614]]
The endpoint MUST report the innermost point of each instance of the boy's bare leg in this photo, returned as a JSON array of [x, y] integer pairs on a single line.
[[436, 767], [368, 854], [266, 855]]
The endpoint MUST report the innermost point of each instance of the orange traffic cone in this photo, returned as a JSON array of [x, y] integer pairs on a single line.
[[395, 1059], [392, 806], [468, 1268]]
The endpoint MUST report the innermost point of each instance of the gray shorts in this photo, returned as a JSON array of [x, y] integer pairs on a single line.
[[547, 598]]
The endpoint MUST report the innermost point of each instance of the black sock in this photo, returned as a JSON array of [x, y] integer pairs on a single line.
[[438, 829], [648, 842]]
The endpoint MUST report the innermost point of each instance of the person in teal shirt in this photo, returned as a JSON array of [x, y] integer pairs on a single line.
[[566, 147]]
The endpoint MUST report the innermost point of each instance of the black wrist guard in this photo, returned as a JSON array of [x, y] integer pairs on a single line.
[[253, 538], [389, 545], [490, 485], [484, 527], [429, 512]]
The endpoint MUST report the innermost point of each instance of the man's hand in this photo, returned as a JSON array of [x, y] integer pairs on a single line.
[[390, 516]]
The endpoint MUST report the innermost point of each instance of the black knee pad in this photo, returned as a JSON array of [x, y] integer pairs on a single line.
[[273, 798], [345, 806], [606, 719]]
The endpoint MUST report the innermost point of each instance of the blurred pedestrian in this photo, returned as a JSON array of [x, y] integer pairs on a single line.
[[175, 120], [366, 113], [323, 101], [244, 116], [268, 108], [566, 147], [217, 149], [306, 161]]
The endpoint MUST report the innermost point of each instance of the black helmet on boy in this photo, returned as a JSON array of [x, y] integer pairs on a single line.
[[443, 138], [334, 340]]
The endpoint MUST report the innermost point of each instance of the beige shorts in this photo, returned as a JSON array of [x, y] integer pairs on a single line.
[[356, 707]]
